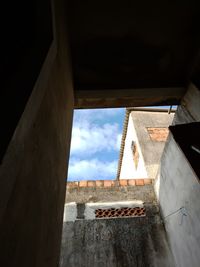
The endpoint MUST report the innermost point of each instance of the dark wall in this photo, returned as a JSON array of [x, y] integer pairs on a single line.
[[148, 44], [33, 178], [34, 168], [138, 242], [26, 37]]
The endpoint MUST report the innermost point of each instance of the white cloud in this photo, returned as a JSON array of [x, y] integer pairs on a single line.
[[94, 133], [93, 169], [91, 115], [119, 138], [88, 139]]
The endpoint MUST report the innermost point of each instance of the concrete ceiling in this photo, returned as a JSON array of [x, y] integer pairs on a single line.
[[119, 45], [124, 53]]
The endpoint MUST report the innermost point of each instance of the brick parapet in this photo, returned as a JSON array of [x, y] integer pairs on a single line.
[[108, 183]]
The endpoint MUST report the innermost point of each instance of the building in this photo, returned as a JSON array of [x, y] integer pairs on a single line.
[[113, 223], [101, 225], [144, 135], [60, 55]]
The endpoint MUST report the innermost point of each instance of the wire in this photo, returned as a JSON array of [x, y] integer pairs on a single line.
[[182, 210]]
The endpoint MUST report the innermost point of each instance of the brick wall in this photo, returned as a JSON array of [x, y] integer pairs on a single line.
[[108, 183], [158, 134]]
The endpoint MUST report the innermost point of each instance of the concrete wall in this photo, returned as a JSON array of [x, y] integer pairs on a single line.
[[74, 211], [189, 110], [113, 242], [33, 171], [178, 191], [139, 191], [121, 242], [177, 188], [128, 168]]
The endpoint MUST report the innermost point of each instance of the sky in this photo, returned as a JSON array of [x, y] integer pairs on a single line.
[[95, 144]]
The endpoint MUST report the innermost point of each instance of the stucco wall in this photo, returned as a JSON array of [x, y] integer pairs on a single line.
[[177, 188], [128, 169], [151, 150], [178, 193]]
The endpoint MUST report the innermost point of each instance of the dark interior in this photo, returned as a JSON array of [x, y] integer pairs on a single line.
[[114, 45], [27, 36], [133, 44]]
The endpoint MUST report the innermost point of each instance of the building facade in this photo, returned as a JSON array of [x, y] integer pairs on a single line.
[[144, 136]]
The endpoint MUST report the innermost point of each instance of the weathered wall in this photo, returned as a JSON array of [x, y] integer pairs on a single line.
[[178, 194], [151, 150], [33, 171], [83, 193], [98, 210], [177, 188], [116, 242]]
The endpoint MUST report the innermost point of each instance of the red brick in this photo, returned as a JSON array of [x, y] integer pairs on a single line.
[[158, 134], [107, 183], [113, 183], [91, 184], [116, 183], [123, 182], [147, 181], [83, 184], [72, 184], [131, 182], [139, 181], [99, 183]]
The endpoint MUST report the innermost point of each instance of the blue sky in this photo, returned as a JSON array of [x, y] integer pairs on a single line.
[[96, 139]]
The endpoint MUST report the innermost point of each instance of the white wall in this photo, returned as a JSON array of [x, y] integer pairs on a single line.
[[128, 170]]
